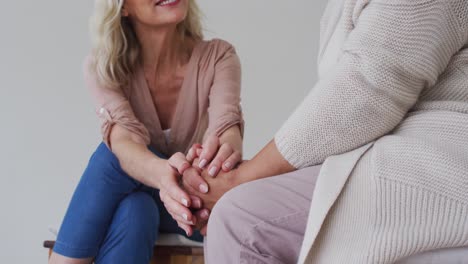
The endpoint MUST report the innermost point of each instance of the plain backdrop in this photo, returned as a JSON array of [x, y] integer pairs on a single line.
[[48, 126]]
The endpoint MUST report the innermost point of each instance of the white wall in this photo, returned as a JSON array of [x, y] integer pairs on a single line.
[[48, 127], [278, 43]]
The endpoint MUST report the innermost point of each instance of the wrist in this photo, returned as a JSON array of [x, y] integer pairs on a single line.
[[156, 171], [240, 174]]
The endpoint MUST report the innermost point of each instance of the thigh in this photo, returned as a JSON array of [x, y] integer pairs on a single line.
[[102, 187], [275, 197], [264, 220], [132, 233]]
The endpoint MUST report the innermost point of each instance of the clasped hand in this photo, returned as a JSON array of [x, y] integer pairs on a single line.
[[201, 178]]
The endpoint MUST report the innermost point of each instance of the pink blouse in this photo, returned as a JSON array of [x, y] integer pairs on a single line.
[[208, 103]]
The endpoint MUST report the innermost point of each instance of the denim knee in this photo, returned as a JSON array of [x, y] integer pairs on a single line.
[[133, 232], [143, 216]]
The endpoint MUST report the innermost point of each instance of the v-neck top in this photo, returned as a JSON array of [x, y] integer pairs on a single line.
[[167, 134], [208, 103]]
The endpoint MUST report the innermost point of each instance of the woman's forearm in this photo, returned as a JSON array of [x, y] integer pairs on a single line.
[[135, 158], [267, 163]]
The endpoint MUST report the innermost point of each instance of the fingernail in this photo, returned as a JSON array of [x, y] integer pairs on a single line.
[[205, 214], [183, 229], [202, 163], [185, 216], [212, 171], [185, 202], [227, 165], [197, 203], [203, 188]]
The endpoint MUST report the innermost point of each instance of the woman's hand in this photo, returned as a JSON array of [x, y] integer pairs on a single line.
[[219, 156], [218, 187], [175, 199], [268, 162], [181, 163]]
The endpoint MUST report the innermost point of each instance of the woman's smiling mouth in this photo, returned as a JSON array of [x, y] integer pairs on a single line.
[[167, 2]]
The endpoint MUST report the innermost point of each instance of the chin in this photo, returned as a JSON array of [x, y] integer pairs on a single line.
[[172, 19], [171, 12]]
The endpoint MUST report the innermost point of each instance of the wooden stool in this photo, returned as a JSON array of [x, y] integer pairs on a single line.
[[164, 254]]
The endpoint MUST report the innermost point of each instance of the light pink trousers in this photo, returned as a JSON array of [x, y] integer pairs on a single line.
[[262, 221]]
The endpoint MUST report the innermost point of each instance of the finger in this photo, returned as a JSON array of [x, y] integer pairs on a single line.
[[174, 211], [196, 202], [194, 152], [181, 220], [210, 147], [202, 215], [223, 153], [162, 195], [170, 185], [189, 188], [199, 151], [188, 229], [193, 179], [232, 161], [191, 154], [179, 162], [204, 230], [178, 211], [196, 161]]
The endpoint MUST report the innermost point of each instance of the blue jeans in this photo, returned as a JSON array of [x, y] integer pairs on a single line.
[[113, 217]]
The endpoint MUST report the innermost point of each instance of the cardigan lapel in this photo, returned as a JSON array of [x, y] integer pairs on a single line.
[[332, 179], [150, 117]]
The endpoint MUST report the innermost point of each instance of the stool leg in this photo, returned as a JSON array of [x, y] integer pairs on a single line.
[[181, 260], [174, 259], [165, 259]]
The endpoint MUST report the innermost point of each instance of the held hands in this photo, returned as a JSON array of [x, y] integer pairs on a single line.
[[198, 188], [176, 200], [218, 187], [214, 154], [224, 158]]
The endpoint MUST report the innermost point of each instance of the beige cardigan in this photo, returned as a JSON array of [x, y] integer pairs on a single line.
[[208, 101], [388, 119]]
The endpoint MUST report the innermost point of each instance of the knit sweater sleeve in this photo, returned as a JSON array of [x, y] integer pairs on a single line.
[[395, 50]]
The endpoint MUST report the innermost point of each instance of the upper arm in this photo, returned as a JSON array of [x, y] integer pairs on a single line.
[[224, 109], [113, 109], [406, 39], [395, 50], [398, 48]]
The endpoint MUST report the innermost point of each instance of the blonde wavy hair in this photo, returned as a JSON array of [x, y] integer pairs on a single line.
[[115, 46]]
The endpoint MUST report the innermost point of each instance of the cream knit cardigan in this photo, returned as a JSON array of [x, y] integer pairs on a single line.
[[389, 120]]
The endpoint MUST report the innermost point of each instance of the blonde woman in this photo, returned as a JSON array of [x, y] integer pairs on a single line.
[[159, 89]]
